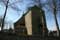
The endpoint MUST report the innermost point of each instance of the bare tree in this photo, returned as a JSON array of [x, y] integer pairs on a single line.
[[5, 2], [55, 16], [10, 4], [3, 21]]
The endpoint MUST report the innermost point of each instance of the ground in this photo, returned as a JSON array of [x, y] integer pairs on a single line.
[[13, 36]]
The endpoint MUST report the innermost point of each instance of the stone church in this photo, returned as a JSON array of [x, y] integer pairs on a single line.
[[32, 23]]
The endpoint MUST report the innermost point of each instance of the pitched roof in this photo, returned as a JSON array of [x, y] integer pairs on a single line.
[[22, 18]]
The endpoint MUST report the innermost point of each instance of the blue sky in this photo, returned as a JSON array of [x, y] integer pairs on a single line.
[[49, 14], [18, 7]]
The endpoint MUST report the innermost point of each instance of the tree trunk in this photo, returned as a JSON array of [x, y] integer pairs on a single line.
[[4, 15], [55, 17]]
